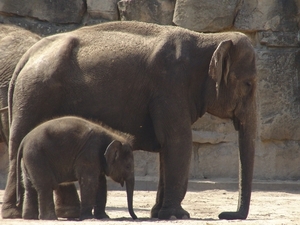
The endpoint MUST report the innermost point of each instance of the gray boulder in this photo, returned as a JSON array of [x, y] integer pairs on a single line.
[[55, 11], [206, 16], [275, 15], [104, 9], [152, 11]]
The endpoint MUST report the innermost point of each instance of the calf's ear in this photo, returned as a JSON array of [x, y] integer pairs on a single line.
[[220, 63], [112, 152]]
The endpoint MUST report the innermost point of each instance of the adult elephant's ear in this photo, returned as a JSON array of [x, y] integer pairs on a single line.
[[220, 63]]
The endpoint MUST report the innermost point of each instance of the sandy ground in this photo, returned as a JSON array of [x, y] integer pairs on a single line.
[[275, 207]]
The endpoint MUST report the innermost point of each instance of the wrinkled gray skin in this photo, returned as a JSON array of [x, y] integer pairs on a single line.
[[14, 42], [147, 80], [65, 150]]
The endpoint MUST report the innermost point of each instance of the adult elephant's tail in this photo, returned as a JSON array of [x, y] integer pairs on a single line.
[[19, 189]]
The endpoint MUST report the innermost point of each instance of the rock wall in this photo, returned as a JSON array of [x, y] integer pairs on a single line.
[[272, 25]]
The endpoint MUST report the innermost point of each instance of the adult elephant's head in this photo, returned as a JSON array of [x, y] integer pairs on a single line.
[[233, 72]]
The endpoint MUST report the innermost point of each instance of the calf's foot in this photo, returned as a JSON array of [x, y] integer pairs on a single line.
[[67, 204], [30, 213], [49, 216], [68, 211]]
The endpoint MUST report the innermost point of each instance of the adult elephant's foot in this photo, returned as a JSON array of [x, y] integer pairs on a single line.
[[9, 211], [169, 213], [86, 216], [155, 210], [100, 213], [239, 215]]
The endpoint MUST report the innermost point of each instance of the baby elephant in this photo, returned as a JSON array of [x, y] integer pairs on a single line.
[[65, 150]]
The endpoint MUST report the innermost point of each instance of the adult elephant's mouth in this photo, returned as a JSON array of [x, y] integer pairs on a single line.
[[122, 182], [235, 116], [236, 123]]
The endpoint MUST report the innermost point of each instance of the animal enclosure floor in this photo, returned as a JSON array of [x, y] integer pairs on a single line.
[[277, 207]]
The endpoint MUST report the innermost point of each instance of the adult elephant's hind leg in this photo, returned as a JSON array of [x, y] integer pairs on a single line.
[[9, 208], [67, 204]]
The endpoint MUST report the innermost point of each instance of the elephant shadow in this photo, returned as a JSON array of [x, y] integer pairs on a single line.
[[148, 219]]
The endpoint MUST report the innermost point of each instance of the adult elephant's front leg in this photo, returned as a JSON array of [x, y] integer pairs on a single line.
[[160, 191], [174, 161]]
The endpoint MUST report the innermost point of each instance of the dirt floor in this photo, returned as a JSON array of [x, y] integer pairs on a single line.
[[267, 207]]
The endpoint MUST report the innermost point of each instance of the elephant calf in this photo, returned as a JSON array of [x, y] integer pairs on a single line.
[[65, 150]]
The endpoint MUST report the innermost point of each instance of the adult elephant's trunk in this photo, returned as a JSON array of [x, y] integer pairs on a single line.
[[247, 138], [129, 190]]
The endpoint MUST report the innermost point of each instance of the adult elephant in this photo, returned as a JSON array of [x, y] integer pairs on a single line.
[[147, 80], [14, 42]]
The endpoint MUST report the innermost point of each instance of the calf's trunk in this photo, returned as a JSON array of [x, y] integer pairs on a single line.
[[129, 190]]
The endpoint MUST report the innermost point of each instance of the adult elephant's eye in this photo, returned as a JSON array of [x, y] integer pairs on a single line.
[[248, 84], [247, 87]]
